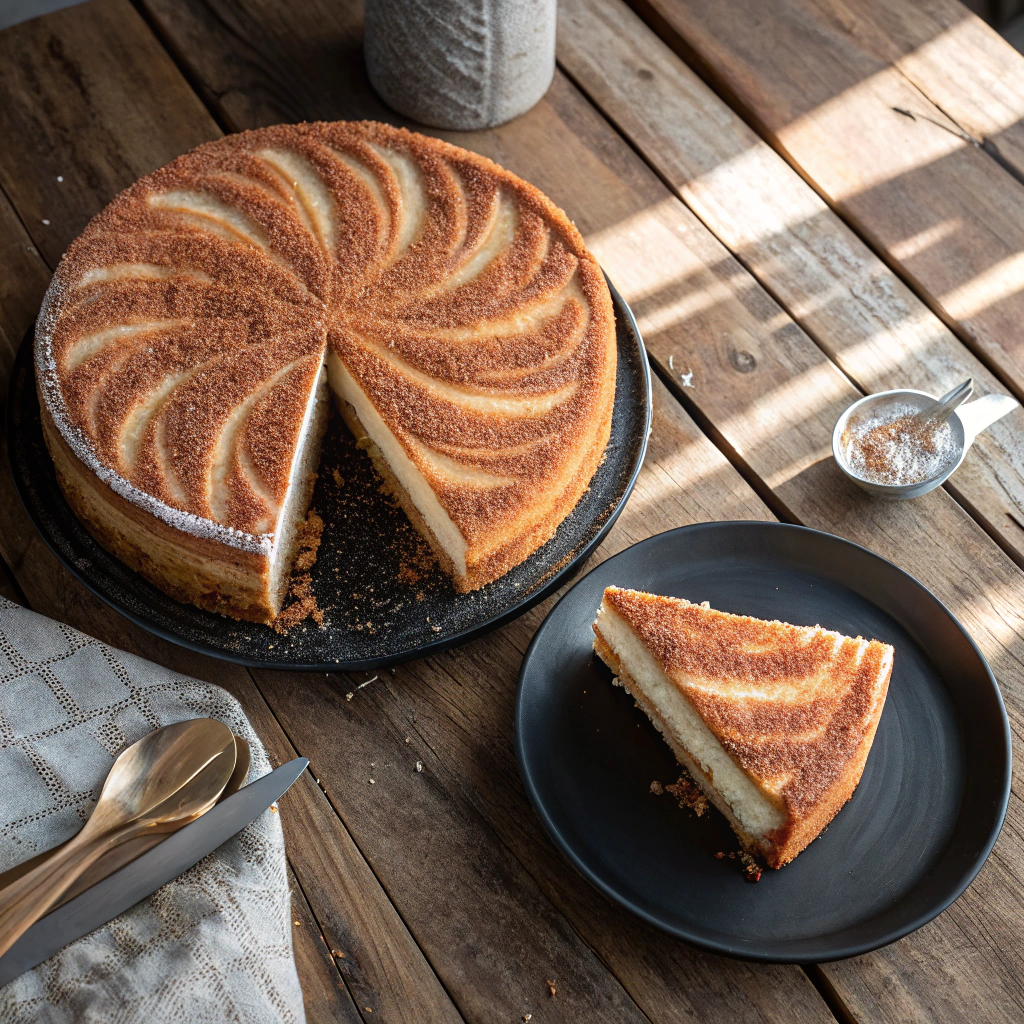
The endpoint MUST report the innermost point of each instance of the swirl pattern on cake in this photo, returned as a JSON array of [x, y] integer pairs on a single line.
[[467, 336]]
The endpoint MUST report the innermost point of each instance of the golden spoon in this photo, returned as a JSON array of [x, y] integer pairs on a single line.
[[167, 779], [114, 860]]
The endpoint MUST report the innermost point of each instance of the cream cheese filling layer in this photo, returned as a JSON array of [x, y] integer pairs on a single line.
[[756, 813], [303, 462], [422, 495]]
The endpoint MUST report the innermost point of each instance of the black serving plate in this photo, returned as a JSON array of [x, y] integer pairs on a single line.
[[918, 828], [385, 600]]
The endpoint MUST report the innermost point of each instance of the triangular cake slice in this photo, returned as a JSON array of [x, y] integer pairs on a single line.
[[774, 722]]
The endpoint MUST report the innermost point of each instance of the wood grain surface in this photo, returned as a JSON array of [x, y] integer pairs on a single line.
[[439, 885], [968, 70], [771, 397], [812, 77], [324, 995], [758, 382], [825, 277]]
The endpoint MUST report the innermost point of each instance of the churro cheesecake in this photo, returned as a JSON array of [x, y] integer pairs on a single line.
[[194, 335], [773, 722]]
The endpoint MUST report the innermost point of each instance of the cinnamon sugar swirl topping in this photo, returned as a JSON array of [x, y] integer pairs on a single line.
[[186, 329]]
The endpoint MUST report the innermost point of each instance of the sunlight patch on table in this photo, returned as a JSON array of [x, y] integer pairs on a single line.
[[998, 282], [820, 137], [927, 239], [784, 410]]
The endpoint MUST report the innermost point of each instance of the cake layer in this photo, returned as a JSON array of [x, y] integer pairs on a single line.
[[184, 333], [774, 721], [677, 720], [215, 576]]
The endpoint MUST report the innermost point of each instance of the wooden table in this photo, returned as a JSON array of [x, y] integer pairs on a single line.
[[784, 253]]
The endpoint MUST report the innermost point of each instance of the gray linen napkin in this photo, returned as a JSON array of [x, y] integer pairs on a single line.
[[213, 945]]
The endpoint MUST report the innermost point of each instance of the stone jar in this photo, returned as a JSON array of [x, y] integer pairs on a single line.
[[462, 64]]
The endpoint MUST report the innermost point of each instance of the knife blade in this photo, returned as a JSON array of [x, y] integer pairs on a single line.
[[147, 873]]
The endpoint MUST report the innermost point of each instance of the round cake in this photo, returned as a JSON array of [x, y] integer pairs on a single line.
[[192, 336]]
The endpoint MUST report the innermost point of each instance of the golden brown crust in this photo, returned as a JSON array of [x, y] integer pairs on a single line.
[[796, 708], [186, 326]]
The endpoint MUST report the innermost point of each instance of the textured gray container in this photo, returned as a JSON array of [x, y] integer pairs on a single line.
[[463, 64]]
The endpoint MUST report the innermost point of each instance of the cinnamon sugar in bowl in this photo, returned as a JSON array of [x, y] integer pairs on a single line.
[[880, 444]]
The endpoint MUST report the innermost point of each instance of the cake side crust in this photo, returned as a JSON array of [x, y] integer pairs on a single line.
[[195, 570]]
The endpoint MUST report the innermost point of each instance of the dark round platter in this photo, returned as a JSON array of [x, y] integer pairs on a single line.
[[384, 599], [918, 828]]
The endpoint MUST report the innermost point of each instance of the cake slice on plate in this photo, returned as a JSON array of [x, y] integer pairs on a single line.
[[774, 722]]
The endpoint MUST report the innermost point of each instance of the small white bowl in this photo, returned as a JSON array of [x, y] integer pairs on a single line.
[[966, 422]]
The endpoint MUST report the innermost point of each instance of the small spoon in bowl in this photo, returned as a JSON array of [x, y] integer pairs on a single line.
[[165, 780], [937, 414]]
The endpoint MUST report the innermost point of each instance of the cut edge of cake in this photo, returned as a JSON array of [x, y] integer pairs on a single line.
[[469, 565], [764, 824], [401, 477], [299, 493]]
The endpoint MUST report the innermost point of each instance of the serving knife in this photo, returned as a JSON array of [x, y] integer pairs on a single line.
[[143, 876]]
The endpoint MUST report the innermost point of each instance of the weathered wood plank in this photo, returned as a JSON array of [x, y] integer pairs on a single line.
[[22, 283], [492, 938], [9, 588], [966, 68], [856, 309], [811, 77], [91, 89], [324, 995], [351, 914]]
